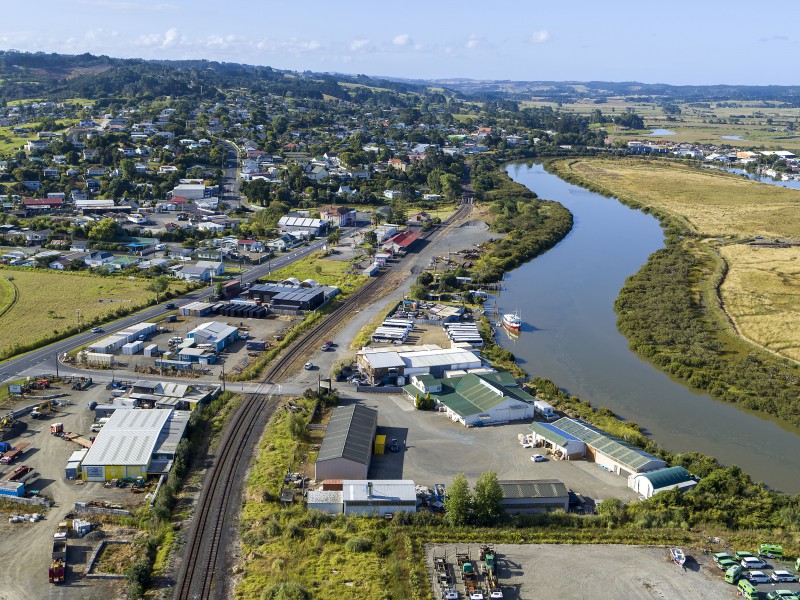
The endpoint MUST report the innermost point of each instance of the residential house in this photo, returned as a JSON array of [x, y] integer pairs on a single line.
[[250, 245], [98, 258], [194, 273], [396, 163], [339, 215], [318, 173], [34, 238], [217, 268]]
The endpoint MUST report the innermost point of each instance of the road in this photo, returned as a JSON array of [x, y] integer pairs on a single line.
[[44, 360]]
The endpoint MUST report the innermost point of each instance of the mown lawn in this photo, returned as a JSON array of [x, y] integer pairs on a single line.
[[48, 302], [322, 270]]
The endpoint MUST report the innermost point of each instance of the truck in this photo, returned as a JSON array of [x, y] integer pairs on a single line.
[[58, 566], [468, 574], [21, 474], [488, 568], [13, 454]]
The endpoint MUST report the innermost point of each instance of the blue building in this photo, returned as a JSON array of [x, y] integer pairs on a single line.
[[219, 335]]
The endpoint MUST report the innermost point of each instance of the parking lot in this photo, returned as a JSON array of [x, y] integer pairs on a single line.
[[607, 572], [26, 548], [434, 449]]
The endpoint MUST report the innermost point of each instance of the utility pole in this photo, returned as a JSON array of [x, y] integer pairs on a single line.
[[223, 375], [78, 314]]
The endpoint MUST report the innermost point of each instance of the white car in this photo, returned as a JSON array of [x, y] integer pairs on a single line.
[[757, 577], [449, 594], [783, 576], [538, 458], [751, 562], [308, 366]]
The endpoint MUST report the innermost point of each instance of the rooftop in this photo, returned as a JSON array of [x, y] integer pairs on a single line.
[[533, 488], [349, 434], [128, 438], [355, 490]]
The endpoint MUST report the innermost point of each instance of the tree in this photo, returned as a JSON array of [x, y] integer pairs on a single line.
[[488, 496], [458, 504], [158, 286], [371, 238], [418, 292], [104, 231]]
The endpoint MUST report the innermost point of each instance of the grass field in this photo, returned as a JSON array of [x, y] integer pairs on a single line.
[[710, 203], [322, 270], [761, 291], [762, 294], [6, 294], [47, 303]]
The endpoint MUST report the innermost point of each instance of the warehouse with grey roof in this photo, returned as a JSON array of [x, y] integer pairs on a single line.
[[135, 443], [346, 450]]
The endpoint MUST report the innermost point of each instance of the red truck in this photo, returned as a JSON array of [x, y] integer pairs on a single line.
[[58, 566], [12, 455]]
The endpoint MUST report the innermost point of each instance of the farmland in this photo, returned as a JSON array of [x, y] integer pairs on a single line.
[[760, 288], [762, 294], [48, 304]]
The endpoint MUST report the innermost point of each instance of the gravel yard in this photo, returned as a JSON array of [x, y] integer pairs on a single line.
[[608, 572]]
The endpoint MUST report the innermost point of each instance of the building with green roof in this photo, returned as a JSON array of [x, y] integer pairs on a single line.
[[476, 400], [607, 451], [652, 482]]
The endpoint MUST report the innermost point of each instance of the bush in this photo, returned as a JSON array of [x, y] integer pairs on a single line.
[[358, 544], [287, 590]]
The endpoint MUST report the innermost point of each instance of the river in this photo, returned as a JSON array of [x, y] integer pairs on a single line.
[[566, 300]]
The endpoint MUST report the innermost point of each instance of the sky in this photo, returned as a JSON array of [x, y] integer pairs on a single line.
[[679, 42]]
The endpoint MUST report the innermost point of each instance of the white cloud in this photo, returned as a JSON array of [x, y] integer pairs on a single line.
[[171, 38], [540, 37], [402, 40], [474, 41], [359, 44]]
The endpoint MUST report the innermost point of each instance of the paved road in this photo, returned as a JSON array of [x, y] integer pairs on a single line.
[[44, 359]]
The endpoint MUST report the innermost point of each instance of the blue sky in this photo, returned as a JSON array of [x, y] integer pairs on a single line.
[[678, 42]]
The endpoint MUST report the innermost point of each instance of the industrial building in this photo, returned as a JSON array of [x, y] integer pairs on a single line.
[[475, 400], [534, 496], [218, 335], [382, 365], [366, 497], [607, 451], [346, 450], [546, 435], [292, 297], [650, 483], [116, 341], [135, 443]]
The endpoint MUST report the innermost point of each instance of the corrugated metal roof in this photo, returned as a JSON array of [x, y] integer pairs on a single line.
[[384, 360], [324, 497], [128, 438], [666, 477], [355, 490], [172, 433], [474, 394], [533, 488], [552, 433], [620, 451], [440, 358], [349, 435]]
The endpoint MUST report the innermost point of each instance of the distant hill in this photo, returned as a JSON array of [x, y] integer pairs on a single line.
[[30, 75]]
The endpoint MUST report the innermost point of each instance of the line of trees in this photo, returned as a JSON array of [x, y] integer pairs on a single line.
[[481, 507]]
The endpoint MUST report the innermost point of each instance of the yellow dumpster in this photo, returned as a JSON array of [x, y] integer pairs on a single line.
[[380, 444]]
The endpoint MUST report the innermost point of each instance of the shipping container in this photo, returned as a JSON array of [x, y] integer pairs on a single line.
[[12, 488]]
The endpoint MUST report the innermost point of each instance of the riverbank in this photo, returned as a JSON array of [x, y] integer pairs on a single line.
[[671, 310]]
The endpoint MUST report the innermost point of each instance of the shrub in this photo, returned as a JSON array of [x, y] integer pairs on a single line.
[[358, 544]]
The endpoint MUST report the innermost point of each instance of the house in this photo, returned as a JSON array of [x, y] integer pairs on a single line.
[[250, 245], [42, 204], [318, 173], [194, 273], [51, 173], [211, 226], [283, 243], [191, 191], [401, 242], [216, 268], [95, 172], [98, 259], [419, 218], [396, 163], [392, 194], [339, 215], [34, 238]]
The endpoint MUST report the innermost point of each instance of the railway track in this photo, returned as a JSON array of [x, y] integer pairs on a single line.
[[199, 579], [202, 575]]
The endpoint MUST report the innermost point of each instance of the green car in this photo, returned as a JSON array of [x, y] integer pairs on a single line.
[[740, 554], [726, 563], [781, 595], [720, 556]]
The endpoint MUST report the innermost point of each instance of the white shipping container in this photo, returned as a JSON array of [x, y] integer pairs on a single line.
[[132, 347]]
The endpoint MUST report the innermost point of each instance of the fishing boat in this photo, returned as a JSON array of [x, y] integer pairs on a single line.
[[678, 557], [512, 322]]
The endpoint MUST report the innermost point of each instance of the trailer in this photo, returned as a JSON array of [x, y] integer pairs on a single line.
[[21, 474], [58, 566], [14, 454], [468, 575]]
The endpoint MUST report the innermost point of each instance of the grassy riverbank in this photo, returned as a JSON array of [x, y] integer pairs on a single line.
[[670, 310]]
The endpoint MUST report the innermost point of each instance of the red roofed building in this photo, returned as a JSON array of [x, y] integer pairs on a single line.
[[42, 203], [401, 241]]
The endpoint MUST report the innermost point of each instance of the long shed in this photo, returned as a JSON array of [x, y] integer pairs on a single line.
[[346, 450]]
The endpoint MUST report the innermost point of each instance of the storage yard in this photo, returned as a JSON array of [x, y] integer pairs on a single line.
[[608, 572], [28, 546]]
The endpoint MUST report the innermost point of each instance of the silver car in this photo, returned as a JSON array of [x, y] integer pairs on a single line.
[[783, 576], [757, 577]]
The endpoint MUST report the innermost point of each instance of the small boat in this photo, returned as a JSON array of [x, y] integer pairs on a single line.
[[512, 322], [678, 557]]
